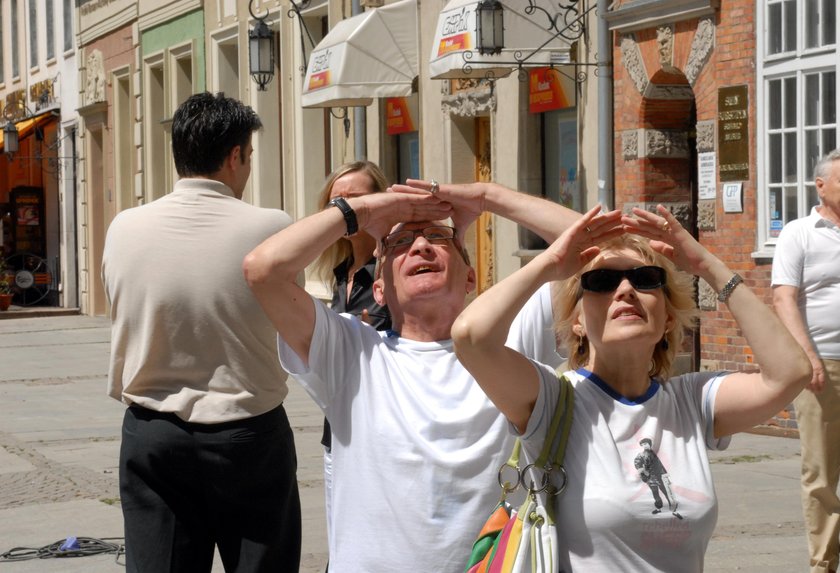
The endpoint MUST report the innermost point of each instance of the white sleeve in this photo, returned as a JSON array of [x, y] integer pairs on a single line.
[[532, 331], [788, 257], [335, 353]]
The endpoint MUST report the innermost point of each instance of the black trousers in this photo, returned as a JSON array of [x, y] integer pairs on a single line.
[[186, 488]]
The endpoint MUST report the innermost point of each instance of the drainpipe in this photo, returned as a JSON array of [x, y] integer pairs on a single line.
[[606, 190], [359, 113]]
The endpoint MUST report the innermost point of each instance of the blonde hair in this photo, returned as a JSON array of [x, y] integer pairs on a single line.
[[342, 249], [679, 304]]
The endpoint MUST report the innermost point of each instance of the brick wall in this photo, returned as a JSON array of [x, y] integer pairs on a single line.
[[652, 180]]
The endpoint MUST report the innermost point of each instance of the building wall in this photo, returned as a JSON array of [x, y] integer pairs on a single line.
[[647, 181], [106, 56]]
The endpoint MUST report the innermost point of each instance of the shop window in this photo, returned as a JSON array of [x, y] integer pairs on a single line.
[[560, 150]]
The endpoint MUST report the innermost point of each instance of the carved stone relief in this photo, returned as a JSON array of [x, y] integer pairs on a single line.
[[682, 211], [701, 49], [665, 143], [705, 136], [665, 46], [631, 57], [706, 296], [706, 215], [668, 91], [630, 144], [469, 104], [94, 78]]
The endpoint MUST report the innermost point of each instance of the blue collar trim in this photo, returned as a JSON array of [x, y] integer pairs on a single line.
[[651, 391]]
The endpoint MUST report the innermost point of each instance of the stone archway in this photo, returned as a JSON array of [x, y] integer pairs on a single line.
[[657, 128]]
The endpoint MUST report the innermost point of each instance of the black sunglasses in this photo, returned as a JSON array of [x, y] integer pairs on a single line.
[[607, 280]]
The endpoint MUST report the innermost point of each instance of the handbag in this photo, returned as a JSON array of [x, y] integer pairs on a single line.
[[524, 539]]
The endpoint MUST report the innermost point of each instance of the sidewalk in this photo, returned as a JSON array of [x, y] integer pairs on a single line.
[[59, 442]]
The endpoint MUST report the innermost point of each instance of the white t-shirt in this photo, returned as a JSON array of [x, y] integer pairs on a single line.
[[806, 258], [609, 517], [416, 444]]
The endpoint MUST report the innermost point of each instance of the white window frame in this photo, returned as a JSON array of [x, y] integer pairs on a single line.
[[797, 63]]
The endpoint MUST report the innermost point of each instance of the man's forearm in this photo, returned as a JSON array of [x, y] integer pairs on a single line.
[[545, 218]]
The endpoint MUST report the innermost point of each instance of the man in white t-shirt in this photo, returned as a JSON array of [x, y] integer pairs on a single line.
[[806, 288], [416, 443]]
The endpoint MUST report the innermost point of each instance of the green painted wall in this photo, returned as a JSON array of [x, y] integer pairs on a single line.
[[176, 32]]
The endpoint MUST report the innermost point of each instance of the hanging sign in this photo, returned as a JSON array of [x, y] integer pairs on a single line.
[[549, 90], [400, 113]]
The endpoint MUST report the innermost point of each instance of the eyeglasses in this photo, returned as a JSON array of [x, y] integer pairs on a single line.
[[405, 238], [607, 280]]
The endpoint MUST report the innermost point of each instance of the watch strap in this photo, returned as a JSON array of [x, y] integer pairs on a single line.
[[349, 214], [727, 289]]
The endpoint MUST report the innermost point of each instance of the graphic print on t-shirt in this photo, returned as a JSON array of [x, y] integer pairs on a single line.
[[654, 474]]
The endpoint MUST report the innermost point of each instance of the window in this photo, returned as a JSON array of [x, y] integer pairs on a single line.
[[2, 64], [798, 103], [781, 26], [50, 14], [33, 33], [820, 18], [67, 14], [15, 40]]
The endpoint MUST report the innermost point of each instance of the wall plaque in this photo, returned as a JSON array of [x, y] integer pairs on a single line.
[[733, 133]]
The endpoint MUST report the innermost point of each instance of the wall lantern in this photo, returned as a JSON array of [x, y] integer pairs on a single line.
[[260, 50], [11, 141], [490, 27]]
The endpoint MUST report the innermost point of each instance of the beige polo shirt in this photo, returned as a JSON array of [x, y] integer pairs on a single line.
[[188, 336]]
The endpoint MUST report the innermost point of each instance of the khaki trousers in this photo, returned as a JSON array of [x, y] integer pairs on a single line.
[[818, 419]]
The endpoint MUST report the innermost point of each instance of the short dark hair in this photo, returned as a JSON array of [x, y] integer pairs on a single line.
[[206, 128]]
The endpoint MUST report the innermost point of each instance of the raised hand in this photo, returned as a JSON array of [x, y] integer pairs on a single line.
[[669, 237], [467, 199], [579, 244]]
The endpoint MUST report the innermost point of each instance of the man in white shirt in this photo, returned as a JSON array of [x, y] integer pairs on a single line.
[[806, 289], [416, 443]]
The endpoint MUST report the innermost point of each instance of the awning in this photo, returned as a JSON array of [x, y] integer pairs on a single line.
[[370, 55], [27, 126], [454, 54]]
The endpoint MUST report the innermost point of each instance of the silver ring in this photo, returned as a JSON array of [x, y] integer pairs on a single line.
[[435, 187], [588, 230]]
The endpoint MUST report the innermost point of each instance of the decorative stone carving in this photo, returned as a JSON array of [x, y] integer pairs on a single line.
[[630, 144], [665, 47], [631, 57], [706, 296], [706, 215], [701, 49], [668, 91], [666, 143], [94, 78], [705, 136], [681, 211], [469, 104]]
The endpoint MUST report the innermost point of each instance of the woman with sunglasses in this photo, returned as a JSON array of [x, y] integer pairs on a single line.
[[639, 493]]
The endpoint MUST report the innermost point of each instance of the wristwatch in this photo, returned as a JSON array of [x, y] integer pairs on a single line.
[[349, 214], [727, 289]]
